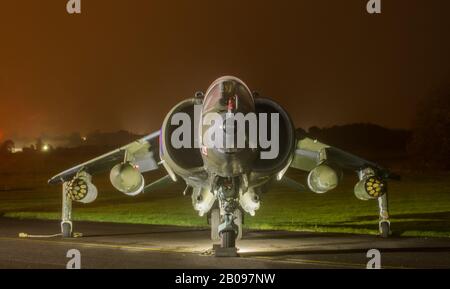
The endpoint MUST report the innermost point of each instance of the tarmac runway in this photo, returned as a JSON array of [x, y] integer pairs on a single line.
[[108, 245]]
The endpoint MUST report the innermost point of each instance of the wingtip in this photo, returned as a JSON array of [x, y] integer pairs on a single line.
[[395, 177], [388, 175], [54, 181]]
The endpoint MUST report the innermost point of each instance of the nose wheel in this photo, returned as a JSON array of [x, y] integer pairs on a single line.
[[228, 233], [215, 220], [228, 230], [228, 239]]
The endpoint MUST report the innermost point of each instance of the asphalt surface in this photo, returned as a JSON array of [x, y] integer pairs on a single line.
[[107, 245]]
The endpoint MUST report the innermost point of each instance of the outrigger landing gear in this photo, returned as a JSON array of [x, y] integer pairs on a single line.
[[66, 216], [374, 185], [384, 224]]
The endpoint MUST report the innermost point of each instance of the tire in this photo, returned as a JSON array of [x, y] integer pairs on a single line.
[[238, 222], [66, 230], [215, 222], [228, 239], [385, 229]]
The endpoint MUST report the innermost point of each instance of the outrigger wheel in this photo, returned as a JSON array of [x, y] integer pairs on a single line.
[[66, 230], [385, 229]]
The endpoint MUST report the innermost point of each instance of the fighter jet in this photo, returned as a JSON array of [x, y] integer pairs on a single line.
[[229, 146]]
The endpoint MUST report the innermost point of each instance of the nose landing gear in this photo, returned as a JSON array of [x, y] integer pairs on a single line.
[[228, 231]]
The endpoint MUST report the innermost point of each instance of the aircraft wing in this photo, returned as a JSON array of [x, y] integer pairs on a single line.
[[143, 152], [293, 184], [310, 153]]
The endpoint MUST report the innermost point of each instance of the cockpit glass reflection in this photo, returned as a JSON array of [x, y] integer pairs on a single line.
[[228, 96]]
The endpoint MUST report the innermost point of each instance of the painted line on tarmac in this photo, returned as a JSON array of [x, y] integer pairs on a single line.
[[102, 245], [189, 251], [325, 263]]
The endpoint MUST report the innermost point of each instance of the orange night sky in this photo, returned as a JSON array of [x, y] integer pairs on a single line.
[[124, 64]]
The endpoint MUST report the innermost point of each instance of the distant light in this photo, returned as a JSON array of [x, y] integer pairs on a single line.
[[45, 148], [84, 138], [17, 150]]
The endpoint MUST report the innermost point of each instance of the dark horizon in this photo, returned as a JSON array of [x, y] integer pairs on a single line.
[[349, 136], [123, 65]]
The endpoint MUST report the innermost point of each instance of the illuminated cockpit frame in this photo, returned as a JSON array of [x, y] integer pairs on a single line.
[[228, 94]]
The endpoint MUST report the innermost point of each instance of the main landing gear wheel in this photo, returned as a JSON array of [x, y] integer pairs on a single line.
[[215, 222], [385, 229], [228, 239]]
